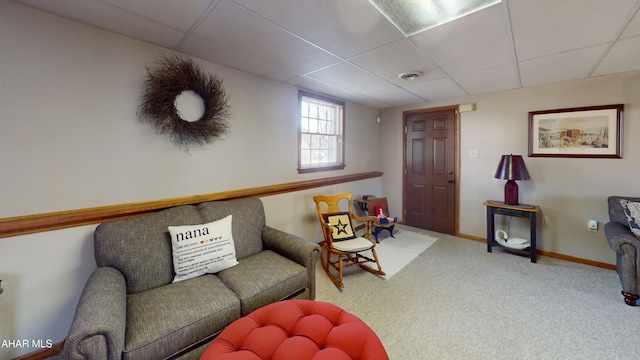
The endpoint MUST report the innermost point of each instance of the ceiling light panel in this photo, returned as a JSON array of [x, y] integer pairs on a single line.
[[414, 16]]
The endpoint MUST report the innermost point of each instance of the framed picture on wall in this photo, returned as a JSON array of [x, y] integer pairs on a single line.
[[585, 132]]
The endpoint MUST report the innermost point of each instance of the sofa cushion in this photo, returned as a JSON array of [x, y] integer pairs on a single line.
[[122, 244], [168, 319], [248, 222], [264, 278], [202, 249], [632, 211]]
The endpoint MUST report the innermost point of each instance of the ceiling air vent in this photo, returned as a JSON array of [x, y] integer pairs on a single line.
[[410, 75]]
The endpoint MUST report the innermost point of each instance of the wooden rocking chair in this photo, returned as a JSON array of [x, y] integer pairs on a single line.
[[342, 247]]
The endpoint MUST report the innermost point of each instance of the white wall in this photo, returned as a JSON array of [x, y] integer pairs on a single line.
[[569, 191], [70, 138]]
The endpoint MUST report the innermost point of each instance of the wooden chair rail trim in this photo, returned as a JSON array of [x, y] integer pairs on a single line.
[[42, 354], [29, 224]]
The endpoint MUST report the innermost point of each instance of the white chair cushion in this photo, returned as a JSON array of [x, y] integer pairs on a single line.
[[356, 244]]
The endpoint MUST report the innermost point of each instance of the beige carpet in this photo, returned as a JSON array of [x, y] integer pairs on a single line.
[[456, 301]]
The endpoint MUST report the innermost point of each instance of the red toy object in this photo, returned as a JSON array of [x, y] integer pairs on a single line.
[[297, 329], [384, 219]]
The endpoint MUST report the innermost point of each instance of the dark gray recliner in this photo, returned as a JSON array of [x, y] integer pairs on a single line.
[[627, 248]]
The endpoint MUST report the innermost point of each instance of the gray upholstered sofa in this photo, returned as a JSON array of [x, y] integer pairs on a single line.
[[130, 309], [627, 248]]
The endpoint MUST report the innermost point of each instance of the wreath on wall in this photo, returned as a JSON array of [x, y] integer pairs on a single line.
[[169, 78]]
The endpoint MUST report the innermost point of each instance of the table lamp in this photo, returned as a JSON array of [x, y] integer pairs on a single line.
[[511, 168]]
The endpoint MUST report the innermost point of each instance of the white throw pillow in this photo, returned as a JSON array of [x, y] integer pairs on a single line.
[[632, 210], [202, 249]]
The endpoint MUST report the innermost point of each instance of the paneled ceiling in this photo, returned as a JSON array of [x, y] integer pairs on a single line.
[[347, 49]]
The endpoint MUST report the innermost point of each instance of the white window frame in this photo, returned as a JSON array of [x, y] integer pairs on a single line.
[[320, 133]]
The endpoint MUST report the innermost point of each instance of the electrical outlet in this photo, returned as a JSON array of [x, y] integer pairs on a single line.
[[545, 220], [592, 225], [474, 153]]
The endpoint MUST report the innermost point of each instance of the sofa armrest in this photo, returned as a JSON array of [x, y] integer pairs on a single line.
[[98, 327], [302, 251], [618, 235]]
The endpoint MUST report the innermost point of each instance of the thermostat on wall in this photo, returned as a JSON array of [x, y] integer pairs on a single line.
[[466, 107]]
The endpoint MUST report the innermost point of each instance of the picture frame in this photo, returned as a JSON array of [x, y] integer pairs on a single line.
[[583, 132]]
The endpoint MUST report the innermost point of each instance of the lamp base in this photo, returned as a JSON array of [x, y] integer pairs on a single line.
[[511, 193]]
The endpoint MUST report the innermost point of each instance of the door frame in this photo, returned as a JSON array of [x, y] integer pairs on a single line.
[[456, 109]]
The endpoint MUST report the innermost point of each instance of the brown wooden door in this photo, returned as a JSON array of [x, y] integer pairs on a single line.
[[430, 170]]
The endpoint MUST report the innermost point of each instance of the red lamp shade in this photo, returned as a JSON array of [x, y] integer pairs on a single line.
[[511, 168]]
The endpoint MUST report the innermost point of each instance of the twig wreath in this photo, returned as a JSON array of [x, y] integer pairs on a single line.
[[170, 77]]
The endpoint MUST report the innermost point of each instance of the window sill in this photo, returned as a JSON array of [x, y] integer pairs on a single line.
[[320, 168]]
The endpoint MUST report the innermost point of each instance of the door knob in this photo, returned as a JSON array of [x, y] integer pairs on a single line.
[[450, 172], [450, 181]]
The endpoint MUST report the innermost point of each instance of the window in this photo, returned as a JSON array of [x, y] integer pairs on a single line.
[[321, 134]]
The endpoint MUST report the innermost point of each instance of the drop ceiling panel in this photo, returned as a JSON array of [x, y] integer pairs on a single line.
[[305, 82], [437, 89], [473, 42], [177, 14], [397, 96], [499, 78], [344, 28], [109, 17], [545, 27], [220, 55], [566, 66], [633, 29], [623, 56], [367, 101], [350, 77], [236, 28], [308, 83], [395, 58]]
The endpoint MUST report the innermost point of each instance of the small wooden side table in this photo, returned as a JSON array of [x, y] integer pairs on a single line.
[[521, 210]]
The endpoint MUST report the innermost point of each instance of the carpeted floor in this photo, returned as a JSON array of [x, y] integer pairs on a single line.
[[456, 301]]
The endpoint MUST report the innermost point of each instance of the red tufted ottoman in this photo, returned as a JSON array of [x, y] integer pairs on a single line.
[[297, 329]]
